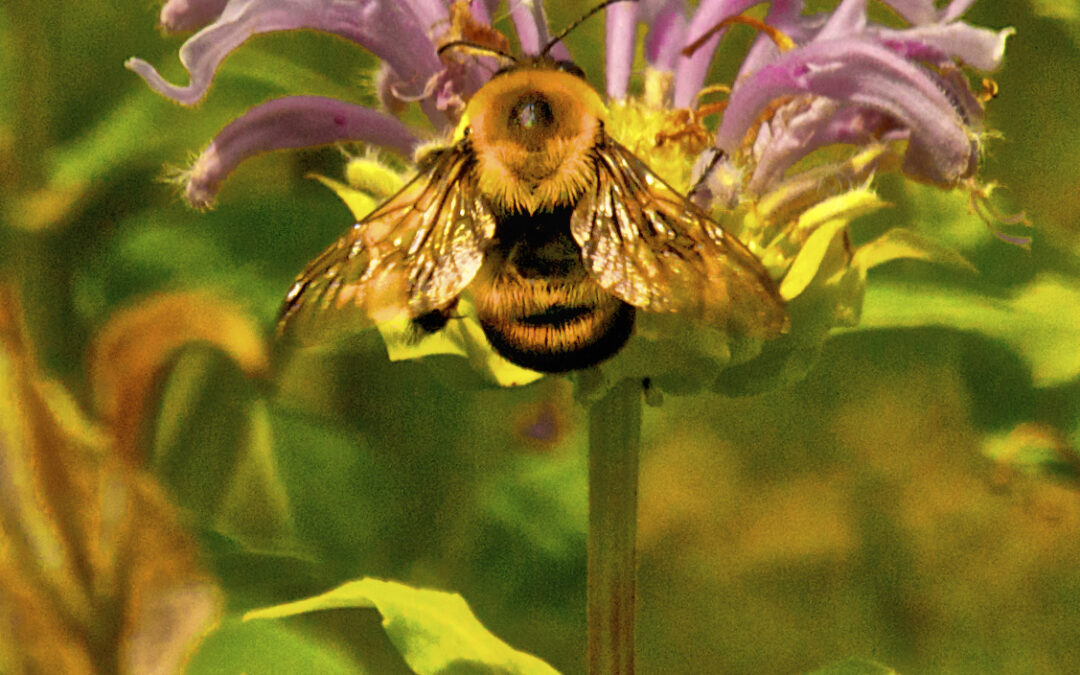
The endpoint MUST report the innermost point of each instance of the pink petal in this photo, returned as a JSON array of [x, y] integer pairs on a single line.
[[291, 122], [621, 35], [390, 30], [868, 75], [185, 15]]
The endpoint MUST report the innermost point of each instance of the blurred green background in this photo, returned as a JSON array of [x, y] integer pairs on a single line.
[[914, 500]]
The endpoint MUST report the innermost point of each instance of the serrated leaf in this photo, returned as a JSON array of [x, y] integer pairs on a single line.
[[1039, 321], [435, 631]]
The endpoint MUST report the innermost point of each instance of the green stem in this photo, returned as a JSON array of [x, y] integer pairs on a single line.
[[614, 443]]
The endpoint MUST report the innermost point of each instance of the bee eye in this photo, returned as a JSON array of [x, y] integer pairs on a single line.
[[531, 112]]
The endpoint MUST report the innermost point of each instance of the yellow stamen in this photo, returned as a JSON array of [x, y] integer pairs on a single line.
[[711, 89], [783, 42], [688, 122]]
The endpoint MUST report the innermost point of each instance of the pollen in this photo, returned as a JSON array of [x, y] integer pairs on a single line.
[[642, 129]]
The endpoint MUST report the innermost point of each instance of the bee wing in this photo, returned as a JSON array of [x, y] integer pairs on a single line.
[[412, 255], [651, 247]]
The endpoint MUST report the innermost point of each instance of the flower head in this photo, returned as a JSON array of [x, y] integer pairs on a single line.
[[890, 97]]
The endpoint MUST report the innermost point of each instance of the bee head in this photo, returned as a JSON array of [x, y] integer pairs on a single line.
[[531, 128]]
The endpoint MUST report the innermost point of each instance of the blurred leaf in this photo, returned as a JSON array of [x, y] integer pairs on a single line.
[[130, 134], [545, 500], [1065, 12], [855, 667], [211, 445], [97, 574], [435, 632], [133, 348], [264, 648], [1034, 448], [256, 505], [1039, 321], [333, 488], [247, 252]]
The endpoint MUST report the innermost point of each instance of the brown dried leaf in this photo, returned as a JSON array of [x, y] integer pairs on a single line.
[[96, 572], [136, 344]]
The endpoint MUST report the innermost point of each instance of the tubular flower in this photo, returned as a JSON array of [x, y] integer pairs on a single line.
[[889, 97]]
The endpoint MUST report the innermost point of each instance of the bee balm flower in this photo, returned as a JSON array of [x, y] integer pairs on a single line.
[[893, 96]]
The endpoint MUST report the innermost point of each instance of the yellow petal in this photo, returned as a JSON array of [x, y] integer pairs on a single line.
[[359, 203]]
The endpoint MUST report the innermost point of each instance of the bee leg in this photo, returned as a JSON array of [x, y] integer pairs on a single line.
[[654, 398], [430, 323]]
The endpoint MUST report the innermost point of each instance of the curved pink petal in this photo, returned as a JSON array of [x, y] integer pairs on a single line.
[[980, 48], [923, 12], [848, 19], [185, 15], [666, 36], [291, 122], [390, 30], [803, 126], [483, 10], [955, 10], [787, 17], [691, 71], [530, 23], [865, 74], [429, 13], [915, 12], [621, 34]]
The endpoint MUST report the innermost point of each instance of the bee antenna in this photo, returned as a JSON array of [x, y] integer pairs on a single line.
[[555, 40], [476, 47]]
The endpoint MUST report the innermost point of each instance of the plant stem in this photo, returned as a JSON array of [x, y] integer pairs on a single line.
[[614, 444]]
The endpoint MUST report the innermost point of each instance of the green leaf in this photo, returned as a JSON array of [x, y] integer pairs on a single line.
[[435, 631], [463, 337], [332, 486], [854, 667], [266, 648], [201, 430], [902, 243], [1039, 321], [544, 499], [1065, 14], [256, 505]]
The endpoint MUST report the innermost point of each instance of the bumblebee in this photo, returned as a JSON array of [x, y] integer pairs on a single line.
[[560, 234]]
